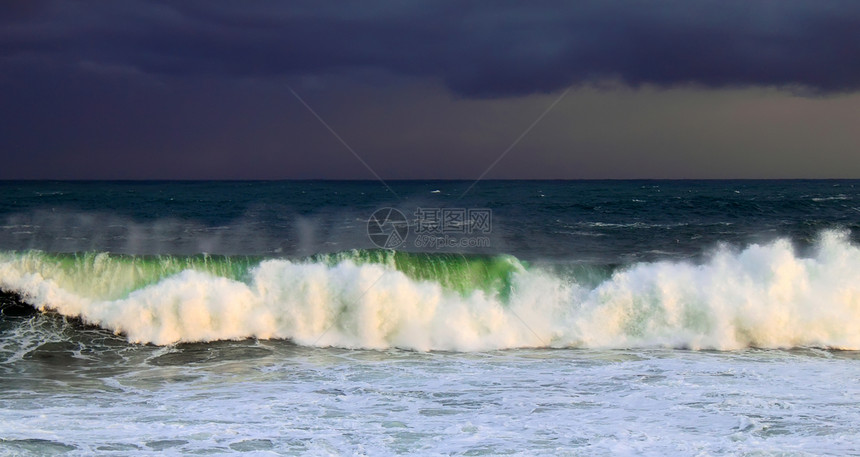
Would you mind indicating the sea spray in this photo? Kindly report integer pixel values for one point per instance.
(765, 295)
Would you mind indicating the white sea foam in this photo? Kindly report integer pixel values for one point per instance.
(304, 401)
(762, 296)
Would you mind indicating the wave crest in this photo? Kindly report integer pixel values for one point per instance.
(762, 296)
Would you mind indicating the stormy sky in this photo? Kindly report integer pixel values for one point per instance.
(216, 89)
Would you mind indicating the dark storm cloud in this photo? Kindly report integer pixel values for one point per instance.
(475, 48)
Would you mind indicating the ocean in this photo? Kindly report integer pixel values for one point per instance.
(430, 317)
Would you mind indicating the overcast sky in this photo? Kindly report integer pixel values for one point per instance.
(208, 89)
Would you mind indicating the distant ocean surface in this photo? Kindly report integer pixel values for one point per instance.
(430, 317)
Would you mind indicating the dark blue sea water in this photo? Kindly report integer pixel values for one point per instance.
(584, 221)
(430, 317)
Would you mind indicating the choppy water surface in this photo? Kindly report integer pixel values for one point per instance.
(89, 392)
(603, 318)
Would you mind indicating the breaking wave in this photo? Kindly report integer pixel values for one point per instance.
(766, 295)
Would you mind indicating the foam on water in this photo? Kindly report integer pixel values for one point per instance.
(762, 296)
(288, 400)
